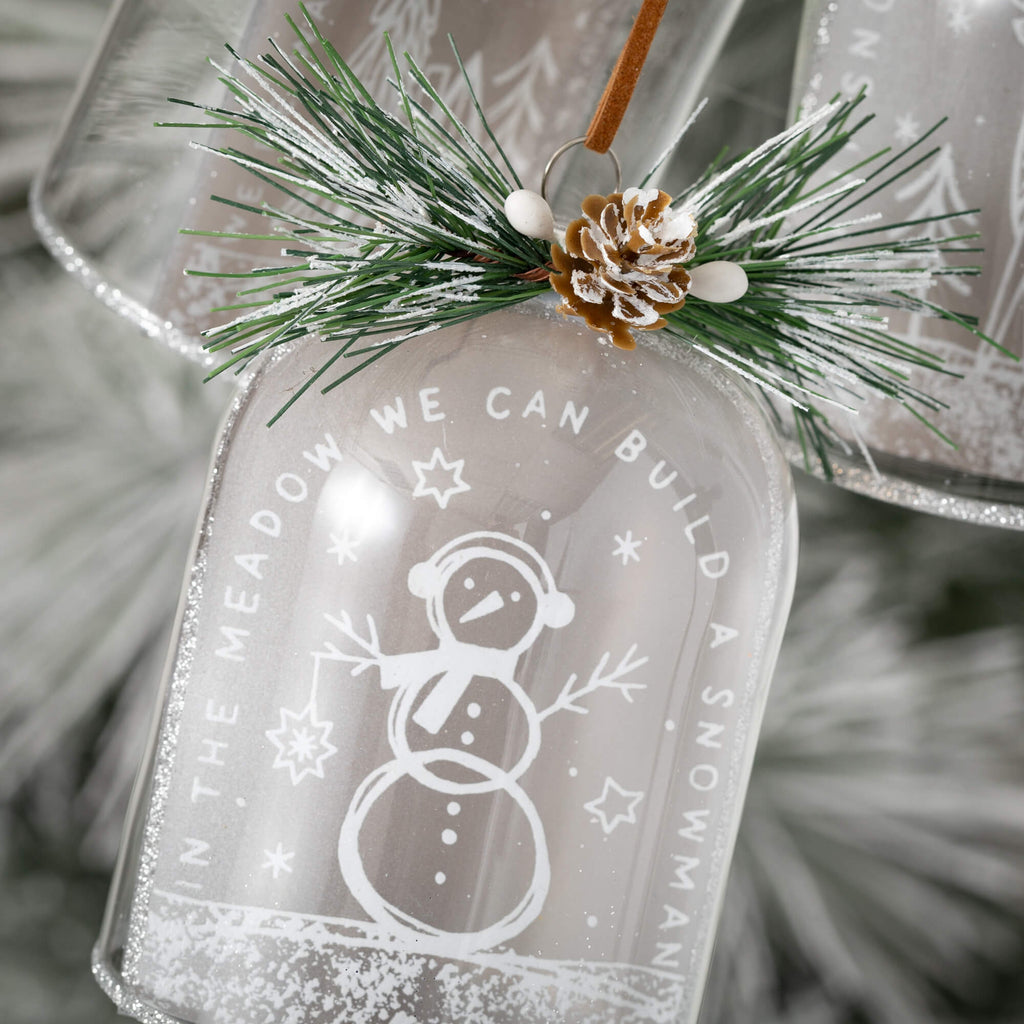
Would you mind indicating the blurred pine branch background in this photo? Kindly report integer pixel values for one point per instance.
(880, 870)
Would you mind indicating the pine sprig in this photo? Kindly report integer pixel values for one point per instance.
(399, 231)
(812, 328)
(391, 230)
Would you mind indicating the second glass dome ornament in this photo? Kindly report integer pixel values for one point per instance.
(905, 50)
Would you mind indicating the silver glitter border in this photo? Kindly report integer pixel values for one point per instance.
(862, 479)
(183, 653)
(163, 332)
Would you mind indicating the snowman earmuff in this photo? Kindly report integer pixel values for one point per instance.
(427, 579)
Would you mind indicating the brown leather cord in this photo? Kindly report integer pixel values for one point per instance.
(617, 93)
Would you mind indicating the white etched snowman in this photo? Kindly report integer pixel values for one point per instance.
(462, 730)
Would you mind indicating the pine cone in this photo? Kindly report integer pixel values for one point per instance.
(621, 267)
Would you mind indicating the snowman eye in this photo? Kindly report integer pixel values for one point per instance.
(515, 595)
(469, 583)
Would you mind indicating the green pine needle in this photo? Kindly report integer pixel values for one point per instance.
(401, 231)
(812, 327)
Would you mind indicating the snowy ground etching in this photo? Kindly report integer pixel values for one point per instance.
(243, 964)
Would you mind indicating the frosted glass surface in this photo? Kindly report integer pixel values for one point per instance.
(469, 677)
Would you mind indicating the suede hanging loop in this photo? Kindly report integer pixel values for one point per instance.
(617, 93)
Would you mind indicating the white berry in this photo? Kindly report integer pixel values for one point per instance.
(530, 214)
(718, 281)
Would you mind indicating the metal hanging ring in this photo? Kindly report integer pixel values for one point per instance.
(562, 150)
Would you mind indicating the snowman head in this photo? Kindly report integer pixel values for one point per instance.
(491, 590)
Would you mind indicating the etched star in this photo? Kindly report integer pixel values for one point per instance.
(344, 546)
(907, 129)
(615, 806)
(278, 860)
(302, 744)
(626, 548)
(439, 478)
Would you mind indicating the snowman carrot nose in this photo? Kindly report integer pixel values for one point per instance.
(493, 602)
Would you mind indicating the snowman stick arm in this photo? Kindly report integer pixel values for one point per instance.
(370, 644)
(568, 697)
(359, 663)
(564, 701)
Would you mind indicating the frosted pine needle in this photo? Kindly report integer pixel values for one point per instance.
(403, 229)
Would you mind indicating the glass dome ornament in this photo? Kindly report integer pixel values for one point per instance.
(972, 467)
(465, 692)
